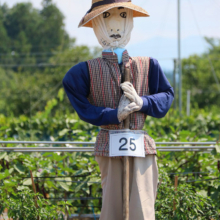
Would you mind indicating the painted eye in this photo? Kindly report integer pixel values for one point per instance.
(106, 14)
(123, 14)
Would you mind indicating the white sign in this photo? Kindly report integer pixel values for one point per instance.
(129, 143)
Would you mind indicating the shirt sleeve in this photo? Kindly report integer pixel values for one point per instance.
(161, 95)
(77, 86)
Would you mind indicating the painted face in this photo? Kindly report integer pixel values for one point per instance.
(115, 22)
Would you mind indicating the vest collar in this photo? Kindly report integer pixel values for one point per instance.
(113, 58)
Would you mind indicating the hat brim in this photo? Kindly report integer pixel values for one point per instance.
(87, 19)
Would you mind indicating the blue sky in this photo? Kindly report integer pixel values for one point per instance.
(155, 36)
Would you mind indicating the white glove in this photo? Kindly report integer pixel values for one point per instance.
(130, 93)
(125, 108)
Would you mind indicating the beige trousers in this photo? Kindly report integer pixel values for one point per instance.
(142, 182)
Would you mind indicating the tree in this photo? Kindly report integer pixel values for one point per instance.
(200, 75)
(28, 35)
(25, 93)
(35, 38)
(52, 28)
(3, 35)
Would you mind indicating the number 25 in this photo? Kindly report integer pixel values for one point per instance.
(126, 141)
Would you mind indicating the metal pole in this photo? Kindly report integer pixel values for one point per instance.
(174, 82)
(179, 60)
(126, 164)
(93, 143)
(30, 120)
(91, 149)
(188, 103)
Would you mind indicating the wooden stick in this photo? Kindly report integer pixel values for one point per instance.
(175, 185)
(34, 188)
(33, 184)
(127, 79)
(126, 189)
(126, 164)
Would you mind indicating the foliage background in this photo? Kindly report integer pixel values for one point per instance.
(35, 54)
(76, 176)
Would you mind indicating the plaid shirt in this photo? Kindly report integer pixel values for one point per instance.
(105, 91)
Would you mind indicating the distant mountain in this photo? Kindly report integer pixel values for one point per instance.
(165, 49)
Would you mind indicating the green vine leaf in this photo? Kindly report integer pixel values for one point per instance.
(19, 167)
(217, 147)
(64, 186)
(27, 182)
(2, 155)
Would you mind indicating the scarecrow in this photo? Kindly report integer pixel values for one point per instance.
(100, 94)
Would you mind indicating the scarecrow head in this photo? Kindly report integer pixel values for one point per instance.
(112, 21)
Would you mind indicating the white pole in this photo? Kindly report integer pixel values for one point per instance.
(188, 102)
(179, 60)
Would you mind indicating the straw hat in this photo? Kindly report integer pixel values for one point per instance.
(100, 6)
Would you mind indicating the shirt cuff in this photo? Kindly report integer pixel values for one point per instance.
(113, 117)
(145, 105)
